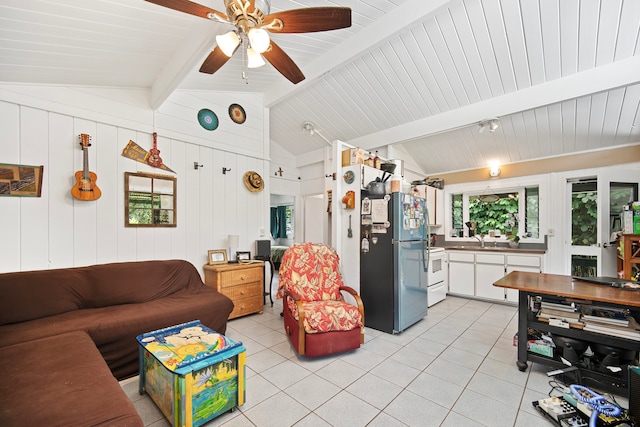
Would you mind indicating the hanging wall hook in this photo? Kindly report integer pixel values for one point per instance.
(196, 166)
(225, 170)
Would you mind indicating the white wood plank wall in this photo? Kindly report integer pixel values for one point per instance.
(57, 231)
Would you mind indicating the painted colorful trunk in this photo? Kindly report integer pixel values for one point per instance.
(192, 373)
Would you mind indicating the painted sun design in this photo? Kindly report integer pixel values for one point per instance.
(190, 350)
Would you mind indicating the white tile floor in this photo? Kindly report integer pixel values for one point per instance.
(456, 367)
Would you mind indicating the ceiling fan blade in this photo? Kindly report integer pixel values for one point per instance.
(309, 20)
(214, 61)
(283, 63)
(189, 7)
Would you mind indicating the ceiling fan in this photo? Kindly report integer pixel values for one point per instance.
(253, 22)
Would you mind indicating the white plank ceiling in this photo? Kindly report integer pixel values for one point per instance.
(562, 76)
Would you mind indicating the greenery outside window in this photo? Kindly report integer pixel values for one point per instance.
(289, 222)
(150, 200)
(515, 211)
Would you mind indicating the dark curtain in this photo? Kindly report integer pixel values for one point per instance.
(274, 222)
(279, 222)
(282, 221)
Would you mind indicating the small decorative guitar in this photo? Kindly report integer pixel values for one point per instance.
(154, 154)
(85, 188)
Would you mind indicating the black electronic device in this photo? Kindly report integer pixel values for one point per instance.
(561, 412)
(569, 411)
(263, 249)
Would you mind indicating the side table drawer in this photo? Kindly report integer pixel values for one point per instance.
(240, 277)
(246, 306)
(243, 291)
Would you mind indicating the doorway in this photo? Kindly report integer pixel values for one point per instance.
(282, 219)
(596, 204)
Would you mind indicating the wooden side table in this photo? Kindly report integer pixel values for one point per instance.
(242, 283)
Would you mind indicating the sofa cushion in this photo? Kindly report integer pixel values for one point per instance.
(31, 295)
(114, 329)
(36, 294)
(61, 381)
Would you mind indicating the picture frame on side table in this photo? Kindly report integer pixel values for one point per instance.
(217, 256)
(243, 256)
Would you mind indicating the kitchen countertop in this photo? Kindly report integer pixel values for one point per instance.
(477, 248)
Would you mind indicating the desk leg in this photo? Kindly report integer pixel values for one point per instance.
(267, 290)
(271, 280)
(523, 306)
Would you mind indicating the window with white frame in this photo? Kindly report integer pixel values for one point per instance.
(503, 213)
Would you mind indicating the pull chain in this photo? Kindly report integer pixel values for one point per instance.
(245, 68)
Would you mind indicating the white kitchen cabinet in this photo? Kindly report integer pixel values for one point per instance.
(435, 203)
(489, 269)
(530, 263)
(473, 273)
(462, 273)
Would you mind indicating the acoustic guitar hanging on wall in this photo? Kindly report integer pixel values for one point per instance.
(85, 187)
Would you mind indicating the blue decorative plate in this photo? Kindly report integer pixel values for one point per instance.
(208, 119)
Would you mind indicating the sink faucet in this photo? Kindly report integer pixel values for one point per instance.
(480, 239)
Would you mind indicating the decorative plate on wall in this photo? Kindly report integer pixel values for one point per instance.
(348, 177)
(237, 114)
(208, 119)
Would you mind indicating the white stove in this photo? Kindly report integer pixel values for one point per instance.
(437, 285)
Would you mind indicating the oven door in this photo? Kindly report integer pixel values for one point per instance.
(437, 268)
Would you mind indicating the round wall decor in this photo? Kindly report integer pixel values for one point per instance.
(253, 181)
(208, 119)
(237, 114)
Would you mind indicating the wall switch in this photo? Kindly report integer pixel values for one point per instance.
(551, 232)
(261, 231)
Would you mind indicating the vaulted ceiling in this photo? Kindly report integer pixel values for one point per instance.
(561, 76)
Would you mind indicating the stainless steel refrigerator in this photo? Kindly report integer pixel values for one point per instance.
(394, 261)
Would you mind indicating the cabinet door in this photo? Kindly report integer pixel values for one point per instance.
(486, 275)
(461, 278)
(431, 204)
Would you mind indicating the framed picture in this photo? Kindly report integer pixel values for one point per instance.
(243, 256)
(217, 256)
(20, 180)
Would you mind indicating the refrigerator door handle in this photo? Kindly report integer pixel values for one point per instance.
(425, 260)
(427, 239)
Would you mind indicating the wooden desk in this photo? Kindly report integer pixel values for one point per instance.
(541, 284)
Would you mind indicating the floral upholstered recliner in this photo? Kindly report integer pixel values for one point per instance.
(317, 319)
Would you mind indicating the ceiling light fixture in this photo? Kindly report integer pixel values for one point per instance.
(492, 124)
(228, 42)
(259, 39)
(310, 128)
(254, 59)
(494, 171)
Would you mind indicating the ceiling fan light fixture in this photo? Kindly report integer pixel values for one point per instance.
(228, 42)
(254, 59)
(259, 39)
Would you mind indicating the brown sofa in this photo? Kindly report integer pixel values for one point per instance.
(110, 304)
